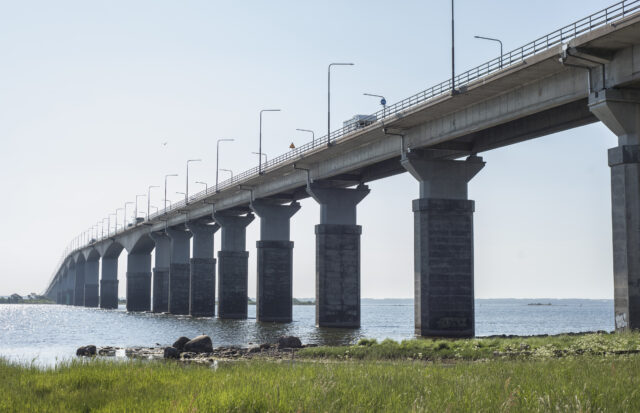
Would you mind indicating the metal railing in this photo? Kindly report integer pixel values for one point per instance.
(463, 80)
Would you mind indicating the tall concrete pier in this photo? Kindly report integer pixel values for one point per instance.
(160, 285)
(78, 297)
(139, 273)
(443, 245)
(109, 252)
(275, 261)
(619, 110)
(233, 265)
(91, 279)
(202, 279)
(338, 256)
(179, 270)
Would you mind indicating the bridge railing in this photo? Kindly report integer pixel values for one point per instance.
(610, 14)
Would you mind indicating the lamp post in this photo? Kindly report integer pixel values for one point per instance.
(493, 40)
(149, 199)
(260, 139)
(186, 191)
(206, 186)
(165, 203)
(329, 98)
(135, 219)
(115, 226)
(263, 154)
(383, 101)
(228, 170)
(453, 54)
(313, 135)
(108, 225)
(124, 218)
(218, 157)
(165, 190)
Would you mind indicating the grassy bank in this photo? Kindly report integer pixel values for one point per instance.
(587, 383)
(482, 348)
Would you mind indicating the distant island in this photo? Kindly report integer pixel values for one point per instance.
(539, 304)
(32, 298)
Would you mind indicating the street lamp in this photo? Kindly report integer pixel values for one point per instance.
(165, 203)
(228, 170)
(383, 101)
(453, 54)
(260, 139)
(165, 190)
(116, 224)
(149, 199)
(206, 186)
(493, 40)
(108, 225)
(329, 98)
(124, 218)
(313, 135)
(186, 193)
(263, 154)
(135, 219)
(218, 157)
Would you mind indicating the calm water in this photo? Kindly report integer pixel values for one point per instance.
(48, 333)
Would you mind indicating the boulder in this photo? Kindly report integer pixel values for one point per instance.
(200, 344)
(171, 353)
(86, 351)
(289, 342)
(179, 344)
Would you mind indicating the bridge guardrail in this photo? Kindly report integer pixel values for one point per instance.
(608, 15)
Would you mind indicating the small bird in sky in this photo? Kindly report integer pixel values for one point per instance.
(165, 143)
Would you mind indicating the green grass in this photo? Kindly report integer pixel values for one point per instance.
(571, 384)
(481, 348)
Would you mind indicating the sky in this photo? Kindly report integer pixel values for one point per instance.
(90, 92)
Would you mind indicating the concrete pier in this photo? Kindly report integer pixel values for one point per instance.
(202, 279)
(179, 270)
(619, 110)
(233, 270)
(109, 278)
(139, 281)
(338, 256)
(91, 280)
(78, 298)
(275, 261)
(70, 279)
(443, 245)
(160, 286)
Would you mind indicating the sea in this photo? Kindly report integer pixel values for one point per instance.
(44, 334)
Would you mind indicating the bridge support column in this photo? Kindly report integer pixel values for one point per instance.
(619, 110)
(202, 279)
(69, 283)
(443, 246)
(78, 299)
(179, 271)
(139, 281)
(161, 272)
(109, 283)
(233, 271)
(338, 256)
(275, 261)
(91, 288)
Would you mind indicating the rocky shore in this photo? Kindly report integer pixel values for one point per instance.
(200, 350)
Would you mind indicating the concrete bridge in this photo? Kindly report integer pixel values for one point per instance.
(586, 72)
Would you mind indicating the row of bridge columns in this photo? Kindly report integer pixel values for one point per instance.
(443, 248)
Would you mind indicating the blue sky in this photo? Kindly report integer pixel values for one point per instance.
(89, 91)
